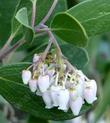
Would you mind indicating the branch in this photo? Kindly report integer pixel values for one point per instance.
(6, 44)
(49, 12)
(47, 50)
(33, 12)
(15, 46)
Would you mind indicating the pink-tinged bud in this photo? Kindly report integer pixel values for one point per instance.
(33, 85)
(36, 58)
(76, 105)
(89, 96)
(63, 99)
(26, 76)
(43, 83)
(47, 99)
(90, 91)
(55, 95)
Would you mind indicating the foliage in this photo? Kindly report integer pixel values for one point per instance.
(74, 28)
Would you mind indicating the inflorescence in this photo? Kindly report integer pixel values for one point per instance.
(60, 85)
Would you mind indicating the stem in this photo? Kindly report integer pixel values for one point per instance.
(15, 46)
(52, 38)
(33, 12)
(59, 52)
(47, 50)
(7, 43)
(49, 12)
(5, 47)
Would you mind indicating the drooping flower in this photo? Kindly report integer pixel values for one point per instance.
(55, 95)
(26, 76)
(63, 99)
(76, 105)
(58, 85)
(47, 99)
(43, 83)
(90, 91)
(33, 85)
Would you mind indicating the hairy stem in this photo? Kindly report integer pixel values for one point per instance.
(33, 12)
(49, 12)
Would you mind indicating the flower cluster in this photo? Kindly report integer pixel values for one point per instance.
(60, 85)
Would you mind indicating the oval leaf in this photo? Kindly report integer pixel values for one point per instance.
(77, 56)
(69, 29)
(22, 17)
(94, 15)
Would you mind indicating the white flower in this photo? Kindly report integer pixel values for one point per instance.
(55, 95)
(33, 85)
(80, 88)
(73, 94)
(43, 83)
(47, 99)
(76, 105)
(26, 76)
(90, 91)
(36, 58)
(63, 99)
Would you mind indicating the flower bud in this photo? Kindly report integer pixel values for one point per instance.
(43, 83)
(33, 85)
(26, 76)
(90, 91)
(36, 58)
(63, 99)
(47, 99)
(76, 105)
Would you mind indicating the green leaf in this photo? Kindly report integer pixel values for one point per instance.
(69, 29)
(33, 119)
(77, 56)
(22, 17)
(24, 99)
(7, 9)
(94, 15)
(13, 72)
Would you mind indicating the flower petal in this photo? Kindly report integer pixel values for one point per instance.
(26, 76)
(43, 83)
(63, 99)
(47, 99)
(76, 105)
(33, 85)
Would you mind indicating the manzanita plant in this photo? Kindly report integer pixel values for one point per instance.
(48, 81)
